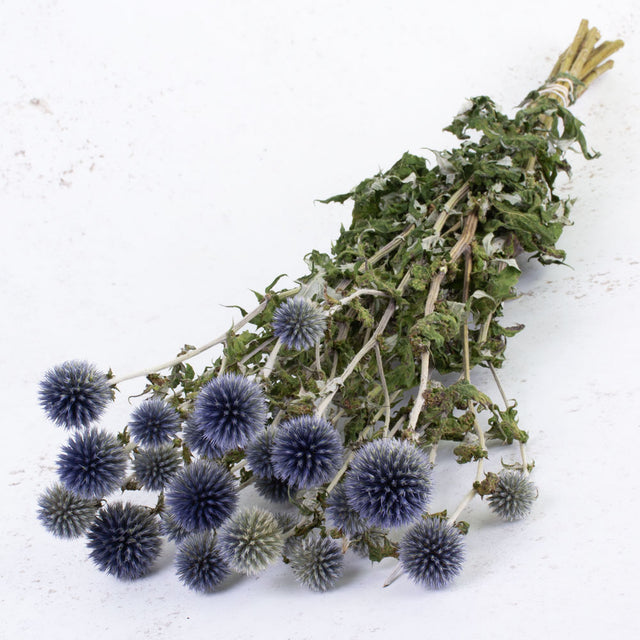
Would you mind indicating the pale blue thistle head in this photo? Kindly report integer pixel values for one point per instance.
(154, 423)
(230, 410)
(198, 443)
(199, 563)
(307, 451)
(298, 323)
(341, 515)
(124, 540)
(92, 464)
(74, 394)
(513, 497)
(155, 467)
(389, 483)
(202, 496)
(65, 514)
(432, 553)
(251, 541)
(316, 562)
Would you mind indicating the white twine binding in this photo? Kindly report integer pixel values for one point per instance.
(564, 92)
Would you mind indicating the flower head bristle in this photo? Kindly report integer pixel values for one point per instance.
(341, 515)
(65, 514)
(124, 540)
(199, 563)
(389, 483)
(306, 451)
(298, 323)
(229, 410)
(432, 553)
(251, 541)
(92, 464)
(258, 453)
(317, 562)
(202, 496)
(197, 442)
(74, 394)
(513, 497)
(154, 423)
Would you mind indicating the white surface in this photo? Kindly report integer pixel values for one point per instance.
(158, 161)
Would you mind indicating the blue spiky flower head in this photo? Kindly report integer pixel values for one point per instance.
(389, 483)
(251, 541)
(229, 410)
(124, 540)
(65, 514)
(258, 453)
(155, 467)
(341, 515)
(316, 562)
(298, 323)
(154, 423)
(170, 527)
(432, 553)
(306, 451)
(74, 394)
(202, 496)
(274, 489)
(513, 497)
(199, 563)
(197, 442)
(92, 464)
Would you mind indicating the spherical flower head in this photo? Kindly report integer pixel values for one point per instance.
(65, 514)
(199, 563)
(317, 562)
(92, 464)
(202, 496)
(169, 527)
(251, 541)
(74, 394)
(124, 540)
(274, 489)
(258, 453)
(389, 483)
(341, 515)
(306, 451)
(154, 423)
(513, 497)
(432, 553)
(197, 442)
(229, 410)
(298, 323)
(155, 467)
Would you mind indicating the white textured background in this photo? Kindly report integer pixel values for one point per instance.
(159, 159)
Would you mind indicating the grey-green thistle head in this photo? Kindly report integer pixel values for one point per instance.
(513, 497)
(251, 541)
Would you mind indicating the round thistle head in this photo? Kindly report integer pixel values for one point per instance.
(229, 410)
(154, 423)
(197, 442)
(169, 527)
(155, 467)
(258, 453)
(202, 496)
(65, 514)
(432, 553)
(389, 483)
(298, 323)
(92, 464)
(316, 562)
(74, 394)
(124, 540)
(513, 497)
(274, 489)
(341, 515)
(199, 563)
(251, 541)
(306, 451)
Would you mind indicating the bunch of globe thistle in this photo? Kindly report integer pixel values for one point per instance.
(322, 398)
